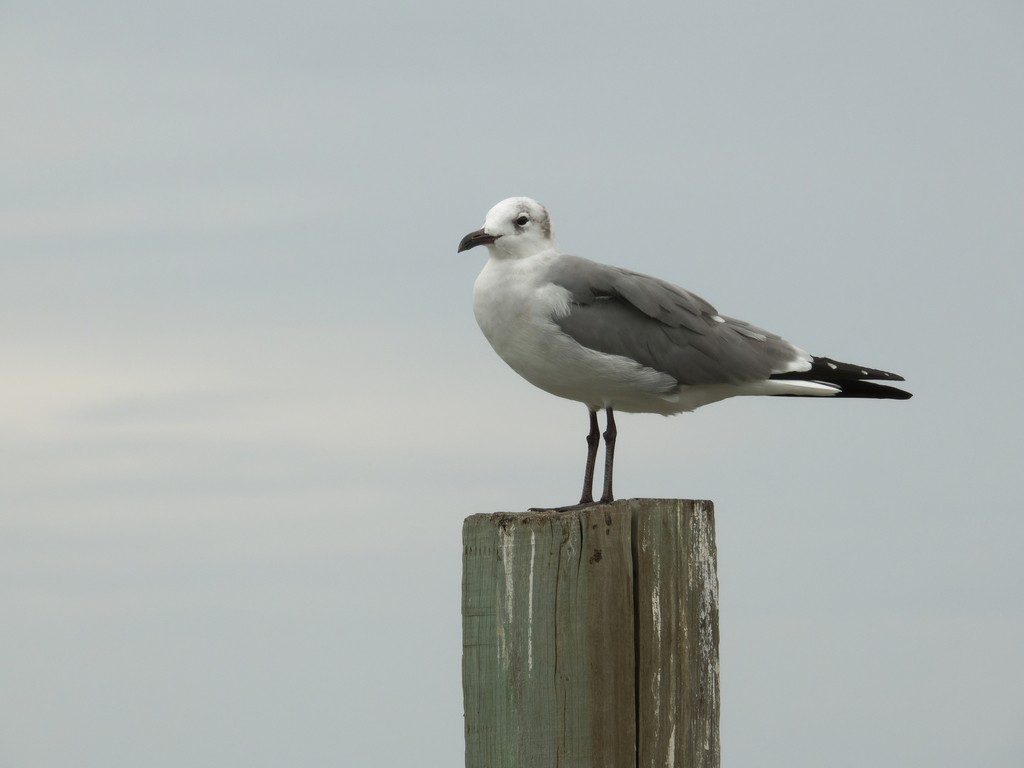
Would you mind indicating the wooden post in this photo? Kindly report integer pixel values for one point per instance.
(590, 637)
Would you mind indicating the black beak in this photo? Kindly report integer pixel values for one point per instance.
(473, 239)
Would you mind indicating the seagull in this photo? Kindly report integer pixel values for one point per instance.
(619, 340)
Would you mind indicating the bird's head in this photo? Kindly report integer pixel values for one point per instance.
(514, 228)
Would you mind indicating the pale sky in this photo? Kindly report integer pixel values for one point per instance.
(246, 406)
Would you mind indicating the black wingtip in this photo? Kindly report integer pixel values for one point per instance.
(827, 369)
(852, 380)
(870, 389)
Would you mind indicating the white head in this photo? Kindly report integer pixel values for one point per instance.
(514, 228)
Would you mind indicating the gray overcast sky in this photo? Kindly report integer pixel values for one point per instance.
(246, 406)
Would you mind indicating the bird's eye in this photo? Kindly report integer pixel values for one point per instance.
(523, 220)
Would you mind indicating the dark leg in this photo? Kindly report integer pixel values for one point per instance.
(593, 439)
(609, 455)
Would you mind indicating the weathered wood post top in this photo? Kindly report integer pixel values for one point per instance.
(590, 637)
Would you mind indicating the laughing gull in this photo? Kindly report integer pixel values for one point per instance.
(622, 341)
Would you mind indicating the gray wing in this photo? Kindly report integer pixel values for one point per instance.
(665, 327)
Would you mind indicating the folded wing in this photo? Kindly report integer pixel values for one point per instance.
(667, 328)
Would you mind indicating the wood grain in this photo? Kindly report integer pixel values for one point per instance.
(590, 636)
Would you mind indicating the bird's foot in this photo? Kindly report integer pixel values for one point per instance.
(570, 507)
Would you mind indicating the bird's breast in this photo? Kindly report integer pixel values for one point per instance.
(515, 309)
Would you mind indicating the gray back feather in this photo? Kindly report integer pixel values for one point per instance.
(664, 327)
